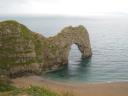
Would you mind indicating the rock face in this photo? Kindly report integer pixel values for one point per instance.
(18, 49)
(22, 50)
(58, 47)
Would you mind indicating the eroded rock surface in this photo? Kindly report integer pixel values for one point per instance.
(22, 50)
(57, 48)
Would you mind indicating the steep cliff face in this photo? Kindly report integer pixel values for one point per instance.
(17, 48)
(22, 50)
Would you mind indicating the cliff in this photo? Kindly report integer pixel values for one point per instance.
(23, 51)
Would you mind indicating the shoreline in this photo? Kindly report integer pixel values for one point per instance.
(83, 89)
(81, 82)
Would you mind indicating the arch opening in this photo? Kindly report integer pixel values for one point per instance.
(74, 54)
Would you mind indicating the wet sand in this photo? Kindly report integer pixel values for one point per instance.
(86, 89)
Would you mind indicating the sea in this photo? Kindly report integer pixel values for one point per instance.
(109, 42)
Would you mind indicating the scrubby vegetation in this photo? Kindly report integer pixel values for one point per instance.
(8, 90)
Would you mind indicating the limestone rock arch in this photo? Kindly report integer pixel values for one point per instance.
(58, 47)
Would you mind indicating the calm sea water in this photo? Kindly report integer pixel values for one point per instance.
(109, 40)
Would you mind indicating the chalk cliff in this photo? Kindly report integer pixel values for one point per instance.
(23, 51)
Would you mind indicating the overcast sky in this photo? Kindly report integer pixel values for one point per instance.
(62, 7)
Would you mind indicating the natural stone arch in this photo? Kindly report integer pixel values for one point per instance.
(61, 45)
(80, 37)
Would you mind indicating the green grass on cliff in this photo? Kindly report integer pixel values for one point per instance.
(6, 89)
(26, 33)
(16, 42)
(31, 91)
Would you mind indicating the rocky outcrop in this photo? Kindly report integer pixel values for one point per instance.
(22, 50)
(57, 48)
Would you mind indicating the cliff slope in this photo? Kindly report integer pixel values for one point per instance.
(23, 51)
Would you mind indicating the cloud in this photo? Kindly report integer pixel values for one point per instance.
(26, 6)
(62, 7)
(10, 6)
(12, 2)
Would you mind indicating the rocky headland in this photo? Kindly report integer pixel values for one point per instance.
(24, 51)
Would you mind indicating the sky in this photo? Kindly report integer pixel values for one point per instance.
(63, 7)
